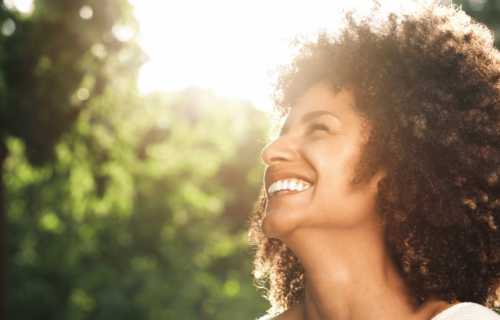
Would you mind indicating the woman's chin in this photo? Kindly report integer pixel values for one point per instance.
(277, 223)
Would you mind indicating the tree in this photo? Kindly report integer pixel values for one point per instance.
(120, 206)
(50, 62)
(164, 237)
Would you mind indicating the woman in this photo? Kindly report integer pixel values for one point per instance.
(382, 191)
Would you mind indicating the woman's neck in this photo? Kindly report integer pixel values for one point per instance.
(350, 274)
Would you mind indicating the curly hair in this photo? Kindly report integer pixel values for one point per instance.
(428, 81)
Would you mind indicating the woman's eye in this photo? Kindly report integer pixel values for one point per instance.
(318, 126)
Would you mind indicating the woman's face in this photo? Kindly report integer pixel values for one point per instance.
(316, 154)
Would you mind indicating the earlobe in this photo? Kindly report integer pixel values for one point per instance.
(382, 172)
(380, 175)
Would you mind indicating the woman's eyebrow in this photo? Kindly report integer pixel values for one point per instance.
(315, 114)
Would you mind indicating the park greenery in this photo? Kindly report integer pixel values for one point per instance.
(119, 205)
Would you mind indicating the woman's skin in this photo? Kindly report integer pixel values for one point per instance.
(334, 226)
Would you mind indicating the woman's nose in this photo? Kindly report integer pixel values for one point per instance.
(280, 150)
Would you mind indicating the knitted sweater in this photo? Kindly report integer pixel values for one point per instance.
(461, 311)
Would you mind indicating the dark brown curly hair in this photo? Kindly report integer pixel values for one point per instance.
(429, 81)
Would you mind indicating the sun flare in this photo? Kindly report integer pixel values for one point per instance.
(228, 46)
(224, 45)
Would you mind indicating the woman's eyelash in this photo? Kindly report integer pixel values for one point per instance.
(318, 126)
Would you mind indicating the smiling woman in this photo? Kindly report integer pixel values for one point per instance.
(381, 193)
(318, 147)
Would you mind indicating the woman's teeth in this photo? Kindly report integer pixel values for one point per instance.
(282, 186)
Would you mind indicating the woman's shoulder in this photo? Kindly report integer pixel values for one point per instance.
(294, 313)
(282, 316)
(467, 311)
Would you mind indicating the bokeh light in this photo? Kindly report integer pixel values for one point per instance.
(122, 33)
(8, 27)
(25, 7)
(86, 12)
(83, 93)
(99, 51)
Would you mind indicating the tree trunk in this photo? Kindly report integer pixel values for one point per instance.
(4, 247)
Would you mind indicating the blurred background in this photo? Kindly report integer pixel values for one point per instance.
(130, 137)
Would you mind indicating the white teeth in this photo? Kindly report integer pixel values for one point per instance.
(300, 187)
(278, 185)
(284, 186)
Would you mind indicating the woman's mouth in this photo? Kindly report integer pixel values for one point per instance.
(287, 185)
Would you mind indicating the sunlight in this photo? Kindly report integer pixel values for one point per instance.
(25, 7)
(224, 45)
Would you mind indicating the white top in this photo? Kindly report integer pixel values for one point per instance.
(467, 311)
(461, 311)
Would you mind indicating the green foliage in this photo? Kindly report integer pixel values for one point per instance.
(53, 60)
(141, 214)
(120, 206)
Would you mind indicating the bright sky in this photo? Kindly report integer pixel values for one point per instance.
(227, 45)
